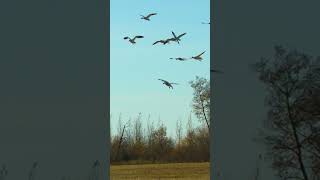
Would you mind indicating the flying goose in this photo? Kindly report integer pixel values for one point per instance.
(147, 18)
(167, 83)
(132, 41)
(180, 59)
(198, 57)
(177, 38)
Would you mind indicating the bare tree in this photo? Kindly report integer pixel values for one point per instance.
(118, 140)
(137, 132)
(201, 99)
(190, 141)
(161, 144)
(178, 132)
(288, 79)
(149, 140)
(138, 144)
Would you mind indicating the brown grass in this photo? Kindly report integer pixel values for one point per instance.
(187, 171)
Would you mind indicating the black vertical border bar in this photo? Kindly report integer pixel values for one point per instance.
(212, 21)
(107, 38)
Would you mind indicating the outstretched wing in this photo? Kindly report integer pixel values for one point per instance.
(126, 37)
(152, 14)
(137, 37)
(174, 83)
(174, 35)
(160, 41)
(162, 80)
(201, 54)
(181, 35)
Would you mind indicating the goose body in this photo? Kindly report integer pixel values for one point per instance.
(180, 59)
(167, 83)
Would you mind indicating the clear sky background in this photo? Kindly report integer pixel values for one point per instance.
(135, 68)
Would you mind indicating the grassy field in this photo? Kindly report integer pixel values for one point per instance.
(188, 171)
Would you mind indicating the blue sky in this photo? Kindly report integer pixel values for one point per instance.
(135, 68)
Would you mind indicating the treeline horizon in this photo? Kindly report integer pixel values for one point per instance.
(133, 144)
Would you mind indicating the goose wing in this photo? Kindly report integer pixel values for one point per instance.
(181, 35)
(151, 14)
(126, 37)
(174, 83)
(201, 54)
(137, 37)
(174, 35)
(160, 41)
(162, 80)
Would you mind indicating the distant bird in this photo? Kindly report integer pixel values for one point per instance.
(198, 57)
(177, 38)
(132, 41)
(168, 83)
(164, 42)
(180, 59)
(147, 18)
(215, 71)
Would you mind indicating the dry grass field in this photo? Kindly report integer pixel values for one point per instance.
(187, 171)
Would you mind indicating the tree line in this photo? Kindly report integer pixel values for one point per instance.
(133, 144)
